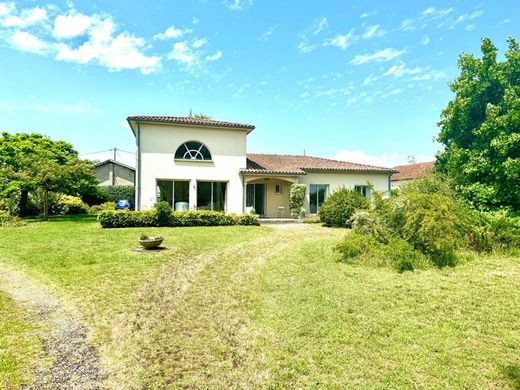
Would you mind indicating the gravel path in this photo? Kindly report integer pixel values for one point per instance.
(74, 361)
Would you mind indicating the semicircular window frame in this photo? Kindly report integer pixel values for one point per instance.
(193, 151)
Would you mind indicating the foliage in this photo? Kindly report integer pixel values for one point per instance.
(296, 198)
(117, 193)
(159, 217)
(163, 213)
(489, 231)
(9, 220)
(431, 183)
(69, 204)
(45, 202)
(95, 196)
(339, 207)
(105, 206)
(30, 162)
(480, 129)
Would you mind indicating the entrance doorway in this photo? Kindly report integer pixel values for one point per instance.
(255, 197)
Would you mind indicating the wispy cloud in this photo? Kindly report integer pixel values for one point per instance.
(316, 27)
(401, 70)
(378, 56)
(466, 18)
(198, 43)
(342, 41)
(171, 33)
(237, 5)
(319, 25)
(215, 56)
(425, 39)
(429, 15)
(373, 31)
(266, 35)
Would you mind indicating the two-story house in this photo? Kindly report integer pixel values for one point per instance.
(196, 163)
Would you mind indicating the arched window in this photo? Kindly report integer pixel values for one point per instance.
(192, 150)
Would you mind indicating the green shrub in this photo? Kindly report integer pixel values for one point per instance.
(296, 198)
(101, 207)
(9, 220)
(117, 193)
(95, 196)
(339, 207)
(433, 226)
(488, 231)
(148, 218)
(72, 205)
(355, 245)
(163, 213)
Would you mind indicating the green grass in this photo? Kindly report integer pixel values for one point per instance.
(19, 345)
(249, 307)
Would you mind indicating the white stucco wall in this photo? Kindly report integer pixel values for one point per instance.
(158, 143)
(349, 180)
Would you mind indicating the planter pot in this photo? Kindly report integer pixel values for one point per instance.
(152, 243)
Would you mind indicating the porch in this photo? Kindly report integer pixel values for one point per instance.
(268, 196)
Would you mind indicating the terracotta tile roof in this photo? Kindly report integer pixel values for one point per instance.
(300, 165)
(190, 120)
(412, 171)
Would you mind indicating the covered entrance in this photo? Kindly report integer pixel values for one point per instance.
(269, 196)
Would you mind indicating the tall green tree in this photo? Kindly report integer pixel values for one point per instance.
(32, 162)
(480, 128)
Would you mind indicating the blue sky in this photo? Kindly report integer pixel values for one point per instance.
(362, 81)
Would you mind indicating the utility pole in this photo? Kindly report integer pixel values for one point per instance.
(114, 167)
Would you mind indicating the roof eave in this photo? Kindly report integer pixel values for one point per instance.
(248, 129)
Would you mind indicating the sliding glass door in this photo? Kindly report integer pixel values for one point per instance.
(175, 192)
(255, 197)
(211, 195)
(317, 194)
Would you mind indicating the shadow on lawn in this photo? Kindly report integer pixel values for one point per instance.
(64, 218)
(512, 372)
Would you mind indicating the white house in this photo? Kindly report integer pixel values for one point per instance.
(195, 163)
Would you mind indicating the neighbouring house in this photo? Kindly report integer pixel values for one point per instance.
(406, 173)
(114, 173)
(196, 163)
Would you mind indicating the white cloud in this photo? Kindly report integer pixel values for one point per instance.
(351, 101)
(425, 39)
(434, 13)
(378, 56)
(183, 54)
(466, 17)
(236, 5)
(305, 47)
(6, 8)
(469, 27)
(214, 57)
(171, 33)
(319, 25)
(360, 157)
(198, 43)
(369, 80)
(27, 17)
(373, 31)
(70, 26)
(342, 41)
(364, 15)
(195, 20)
(401, 70)
(407, 25)
(123, 51)
(264, 37)
(24, 41)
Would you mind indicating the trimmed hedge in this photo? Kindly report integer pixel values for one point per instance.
(152, 218)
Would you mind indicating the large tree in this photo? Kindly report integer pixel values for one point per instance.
(32, 162)
(480, 128)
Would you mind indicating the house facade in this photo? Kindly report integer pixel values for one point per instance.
(194, 163)
(114, 173)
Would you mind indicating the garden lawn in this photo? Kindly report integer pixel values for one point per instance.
(250, 307)
(20, 346)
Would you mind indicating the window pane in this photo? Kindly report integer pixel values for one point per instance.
(181, 192)
(250, 195)
(322, 191)
(192, 151)
(219, 196)
(313, 199)
(204, 195)
(165, 191)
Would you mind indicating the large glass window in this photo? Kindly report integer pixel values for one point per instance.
(211, 195)
(317, 194)
(192, 150)
(363, 190)
(174, 192)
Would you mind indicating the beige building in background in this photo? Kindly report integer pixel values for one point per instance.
(114, 173)
(197, 163)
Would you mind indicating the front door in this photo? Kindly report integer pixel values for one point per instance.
(260, 199)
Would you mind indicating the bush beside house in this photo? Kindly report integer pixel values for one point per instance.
(162, 215)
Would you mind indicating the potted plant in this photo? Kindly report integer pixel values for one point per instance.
(150, 242)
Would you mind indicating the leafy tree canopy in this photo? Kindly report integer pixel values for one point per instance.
(30, 162)
(480, 129)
